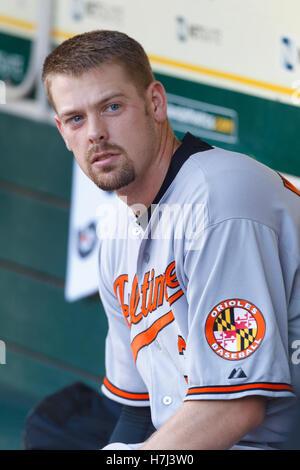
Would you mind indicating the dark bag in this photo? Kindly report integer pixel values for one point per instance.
(74, 418)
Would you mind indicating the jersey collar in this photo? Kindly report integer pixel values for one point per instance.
(189, 145)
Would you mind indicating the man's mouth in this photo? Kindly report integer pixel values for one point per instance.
(104, 158)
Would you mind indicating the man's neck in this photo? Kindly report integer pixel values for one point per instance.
(140, 196)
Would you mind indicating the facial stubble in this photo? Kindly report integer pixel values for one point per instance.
(116, 176)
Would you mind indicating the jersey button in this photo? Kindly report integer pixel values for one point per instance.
(167, 400)
(136, 231)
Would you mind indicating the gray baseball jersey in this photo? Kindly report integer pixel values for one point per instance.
(200, 298)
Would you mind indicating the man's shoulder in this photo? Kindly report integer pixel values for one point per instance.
(221, 166)
(232, 185)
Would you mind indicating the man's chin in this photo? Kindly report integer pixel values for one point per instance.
(112, 184)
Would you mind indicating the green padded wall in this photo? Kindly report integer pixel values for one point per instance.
(49, 342)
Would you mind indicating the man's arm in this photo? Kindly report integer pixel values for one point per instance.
(134, 425)
(209, 424)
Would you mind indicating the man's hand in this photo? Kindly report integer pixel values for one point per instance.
(209, 424)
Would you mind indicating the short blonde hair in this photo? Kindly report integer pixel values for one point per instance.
(89, 50)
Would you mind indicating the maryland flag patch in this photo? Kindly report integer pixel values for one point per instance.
(234, 329)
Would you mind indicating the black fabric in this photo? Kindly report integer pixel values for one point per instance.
(190, 145)
(74, 418)
(134, 425)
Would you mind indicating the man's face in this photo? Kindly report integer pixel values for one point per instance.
(107, 124)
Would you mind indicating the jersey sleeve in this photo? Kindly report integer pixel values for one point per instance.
(122, 382)
(238, 339)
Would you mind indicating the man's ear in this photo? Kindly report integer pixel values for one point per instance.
(60, 128)
(157, 99)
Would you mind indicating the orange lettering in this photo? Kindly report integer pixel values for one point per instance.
(144, 290)
(134, 301)
(119, 284)
(181, 345)
(151, 306)
(171, 279)
(153, 293)
(172, 282)
(175, 296)
(158, 292)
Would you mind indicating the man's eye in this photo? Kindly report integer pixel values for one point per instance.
(76, 119)
(113, 107)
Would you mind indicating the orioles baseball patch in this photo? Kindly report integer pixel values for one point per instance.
(235, 329)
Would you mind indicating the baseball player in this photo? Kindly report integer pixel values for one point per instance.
(200, 280)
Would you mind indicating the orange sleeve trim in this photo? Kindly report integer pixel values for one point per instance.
(146, 337)
(124, 394)
(289, 185)
(268, 386)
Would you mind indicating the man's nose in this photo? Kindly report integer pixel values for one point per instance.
(97, 129)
